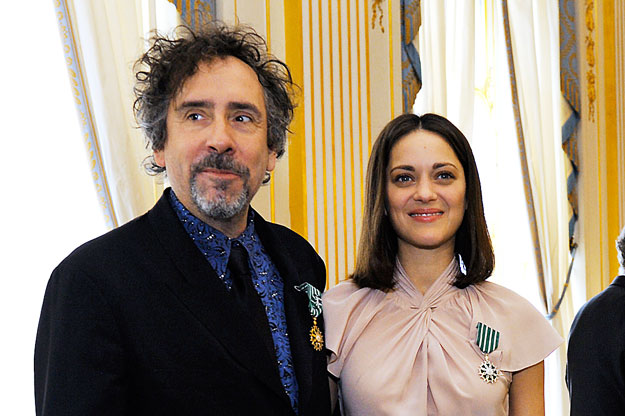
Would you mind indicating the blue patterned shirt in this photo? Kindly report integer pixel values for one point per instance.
(215, 246)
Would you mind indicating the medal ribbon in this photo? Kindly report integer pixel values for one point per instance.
(487, 338)
(315, 309)
(314, 298)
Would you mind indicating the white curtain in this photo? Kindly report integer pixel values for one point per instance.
(535, 35)
(447, 60)
(110, 37)
(481, 106)
(466, 78)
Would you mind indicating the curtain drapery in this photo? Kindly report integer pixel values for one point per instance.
(533, 36)
(410, 62)
(464, 79)
(196, 12)
(448, 44)
(83, 107)
(569, 84)
(109, 37)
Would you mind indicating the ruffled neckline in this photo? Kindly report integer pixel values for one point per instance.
(433, 296)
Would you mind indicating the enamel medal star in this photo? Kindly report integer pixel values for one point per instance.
(487, 340)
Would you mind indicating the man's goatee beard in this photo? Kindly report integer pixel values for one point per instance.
(219, 207)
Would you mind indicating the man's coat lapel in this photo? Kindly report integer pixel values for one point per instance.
(207, 298)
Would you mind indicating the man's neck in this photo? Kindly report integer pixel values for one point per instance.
(231, 227)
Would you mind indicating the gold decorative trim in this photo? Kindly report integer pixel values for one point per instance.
(376, 7)
(344, 173)
(591, 78)
(294, 53)
(313, 146)
(390, 57)
(335, 233)
(272, 183)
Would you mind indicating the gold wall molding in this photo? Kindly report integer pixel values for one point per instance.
(591, 78)
(377, 14)
(620, 92)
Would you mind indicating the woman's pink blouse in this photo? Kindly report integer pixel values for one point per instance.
(407, 353)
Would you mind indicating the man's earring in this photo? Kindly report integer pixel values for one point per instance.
(267, 177)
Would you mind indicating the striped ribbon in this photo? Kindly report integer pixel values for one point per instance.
(487, 338)
(314, 298)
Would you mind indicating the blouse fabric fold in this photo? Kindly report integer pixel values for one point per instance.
(408, 353)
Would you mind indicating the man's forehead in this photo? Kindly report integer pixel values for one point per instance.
(248, 77)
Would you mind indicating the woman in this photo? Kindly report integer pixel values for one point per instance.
(417, 330)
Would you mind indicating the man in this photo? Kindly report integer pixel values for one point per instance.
(596, 355)
(199, 306)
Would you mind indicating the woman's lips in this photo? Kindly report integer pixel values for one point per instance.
(426, 215)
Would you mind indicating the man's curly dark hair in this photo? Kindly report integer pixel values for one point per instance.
(162, 71)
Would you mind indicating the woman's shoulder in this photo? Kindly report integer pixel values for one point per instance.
(506, 305)
(523, 328)
(347, 310)
(347, 296)
(497, 292)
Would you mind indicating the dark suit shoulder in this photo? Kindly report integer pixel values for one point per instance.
(296, 248)
(112, 249)
(595, 355)
(295, 241)
(609, 301)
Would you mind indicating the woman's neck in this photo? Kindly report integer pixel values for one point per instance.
(424, 266)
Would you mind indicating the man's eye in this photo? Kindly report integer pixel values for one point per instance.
(243, 118)
(195, 117)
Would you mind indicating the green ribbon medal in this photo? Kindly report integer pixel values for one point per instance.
(487, 340)
(315, 309)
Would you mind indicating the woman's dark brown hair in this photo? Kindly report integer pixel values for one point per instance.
(377, 249)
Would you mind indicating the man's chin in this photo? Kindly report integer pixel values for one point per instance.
(220, 206)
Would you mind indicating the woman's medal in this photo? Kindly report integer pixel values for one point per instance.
(487, 340)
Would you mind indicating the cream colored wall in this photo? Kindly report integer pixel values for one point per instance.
(348, 66)
(601, 142)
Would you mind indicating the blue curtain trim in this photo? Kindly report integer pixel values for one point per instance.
(569, 139)
(569, 84)
(411, 63)
(569, 67)
(197, 13)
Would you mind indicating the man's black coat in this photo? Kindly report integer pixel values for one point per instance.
(136, 322)
(596, 355)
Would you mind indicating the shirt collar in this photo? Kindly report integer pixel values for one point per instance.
(212, 243)
(197, 228)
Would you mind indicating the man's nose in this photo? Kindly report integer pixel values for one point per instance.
(219, 138)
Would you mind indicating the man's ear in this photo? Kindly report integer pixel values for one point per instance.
(271, 161)
(159, 157)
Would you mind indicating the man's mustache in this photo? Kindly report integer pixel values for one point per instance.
(220, 161)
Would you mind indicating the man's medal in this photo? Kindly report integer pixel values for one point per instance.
(314, 307)
(487, 340)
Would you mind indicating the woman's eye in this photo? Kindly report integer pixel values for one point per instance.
(402, 178)
(445, 175)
